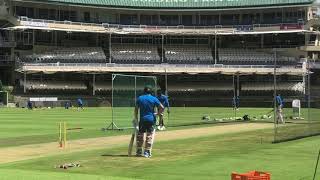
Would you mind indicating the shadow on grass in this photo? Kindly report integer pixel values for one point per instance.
(117, 155)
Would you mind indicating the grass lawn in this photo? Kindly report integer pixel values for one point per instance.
(212, 157)
(22, 126)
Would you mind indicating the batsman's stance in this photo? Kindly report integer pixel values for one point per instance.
(165, 102)
(146, 103)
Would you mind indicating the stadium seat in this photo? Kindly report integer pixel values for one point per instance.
(69, 55)
(135, 54)
(251, 57)
(188, 54)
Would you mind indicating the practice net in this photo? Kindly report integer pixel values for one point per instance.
(300, 111)
(125, 90)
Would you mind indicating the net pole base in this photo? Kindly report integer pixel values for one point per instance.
(112, 126)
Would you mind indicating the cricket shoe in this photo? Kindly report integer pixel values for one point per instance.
(139, 153)
(147, 154)
(163, 128)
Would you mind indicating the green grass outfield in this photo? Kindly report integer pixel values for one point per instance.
(212, 157)
(22, 126)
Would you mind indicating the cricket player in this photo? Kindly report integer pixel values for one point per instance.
(146, 103)
(165, 102)
(280, 104)
(236, 102)
(80, 103)
(29, 105)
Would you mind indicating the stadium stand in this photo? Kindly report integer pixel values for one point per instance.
(135, 54)
(268, 86)
(103, 86)
(54, 85)
(69, 55)
(178, 37)
(250, 56)
(200, 86)
(188, 54)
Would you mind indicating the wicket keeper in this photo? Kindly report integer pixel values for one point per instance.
(146, 105)
(165, 102)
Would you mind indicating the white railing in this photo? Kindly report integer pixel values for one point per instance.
(222, 66)
(44, 22)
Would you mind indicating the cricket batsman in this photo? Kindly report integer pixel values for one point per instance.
(165, 102)
(146, 105)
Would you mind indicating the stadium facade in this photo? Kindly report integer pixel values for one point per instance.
(207, 47)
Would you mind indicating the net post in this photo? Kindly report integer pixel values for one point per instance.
(112, 125)
(275, 94)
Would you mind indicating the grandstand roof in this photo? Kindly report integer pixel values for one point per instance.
(180, 4)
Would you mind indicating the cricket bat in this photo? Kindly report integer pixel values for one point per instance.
(132, 138)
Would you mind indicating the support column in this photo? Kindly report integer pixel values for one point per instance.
(162, 48)
(238, 85)
(304, 84)
(138, 18)
(166, 81)
(261, 17)
(118, 18)
(94, 85)
(159, 19)
(24, 82)
(110, 50)
(215, 48)
(306, 39)
(282, 15)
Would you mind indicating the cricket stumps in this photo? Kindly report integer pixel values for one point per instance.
(62, 134)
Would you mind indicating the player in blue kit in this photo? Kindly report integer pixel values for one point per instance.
(280, 104)
(145, 106)
(80, 103)
(165, 102)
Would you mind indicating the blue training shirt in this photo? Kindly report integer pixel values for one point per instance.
(147, 104)
(163, 100)
(279, 101)
(79, 101)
